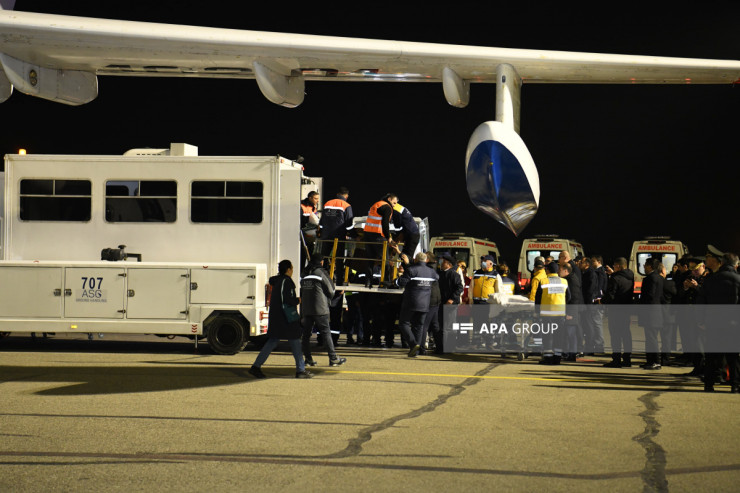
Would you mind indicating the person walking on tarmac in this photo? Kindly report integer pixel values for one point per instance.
(335, 223)
(317, 290)
(417, 280)
(283, 322)
(551, 299)
(377, 230)
(403, 220)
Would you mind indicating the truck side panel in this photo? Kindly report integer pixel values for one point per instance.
(186, 239)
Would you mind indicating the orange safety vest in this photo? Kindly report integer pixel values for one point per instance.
(307, 209)
(374, 223)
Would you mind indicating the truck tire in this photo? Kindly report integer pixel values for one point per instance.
(226, 334)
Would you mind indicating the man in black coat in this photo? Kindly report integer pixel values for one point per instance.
(417, 280)
(431, 319)
(573, 334)
(450, 290)
(618, 296)
(283, 322)
(591, 316)
(721, 323)
(317, 290)
(651, 313)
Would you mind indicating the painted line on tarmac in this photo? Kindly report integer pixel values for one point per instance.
(452, 375)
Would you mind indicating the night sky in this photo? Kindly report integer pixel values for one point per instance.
(616, 163)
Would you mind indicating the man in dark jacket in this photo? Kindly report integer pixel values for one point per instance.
(618, 296)
(450, 290)
(282, 322)
(336, 222)
(722, 323)
(591, 316)
(317, 290)
(651, 313)
(431, 319)
(404, 221)
(417, 280)
(573, 333)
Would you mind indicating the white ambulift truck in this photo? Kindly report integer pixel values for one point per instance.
(210, 232)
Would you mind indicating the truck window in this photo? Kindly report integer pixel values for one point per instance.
(667, 259)
(226, 202)
(141, 201)
(55, 200)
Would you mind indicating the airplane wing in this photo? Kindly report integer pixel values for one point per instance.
(74, 50)
(60, 57)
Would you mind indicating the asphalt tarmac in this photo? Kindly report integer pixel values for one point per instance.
(139, 413)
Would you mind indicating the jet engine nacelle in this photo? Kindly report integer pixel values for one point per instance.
(501, 176)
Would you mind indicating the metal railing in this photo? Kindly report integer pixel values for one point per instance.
(384, 259)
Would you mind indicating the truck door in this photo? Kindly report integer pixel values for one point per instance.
(31, 291)
(223, 286)
(94, 292)
(157, 293)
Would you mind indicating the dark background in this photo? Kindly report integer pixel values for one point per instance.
(616, 163)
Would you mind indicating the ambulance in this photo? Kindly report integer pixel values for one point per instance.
(667, 251)
(465, 248)
(543, 246)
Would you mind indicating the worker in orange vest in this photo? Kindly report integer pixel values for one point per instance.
(377, 230)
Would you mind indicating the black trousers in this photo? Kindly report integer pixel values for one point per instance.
(431, 324)
(322, 325)
(411, 324)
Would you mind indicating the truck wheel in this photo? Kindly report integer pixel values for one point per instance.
(226, 335)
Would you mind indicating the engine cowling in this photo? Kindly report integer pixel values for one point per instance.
(501, 176)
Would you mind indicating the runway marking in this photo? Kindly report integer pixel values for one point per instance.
(452, 375)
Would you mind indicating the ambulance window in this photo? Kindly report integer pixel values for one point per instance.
(667, 259)
(55, 200)
(531, 255)
(226, 202)
(459, 254)
(141, 201)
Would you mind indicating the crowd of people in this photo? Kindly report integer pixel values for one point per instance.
(577, 294)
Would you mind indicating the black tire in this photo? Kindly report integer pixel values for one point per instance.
(226, 334)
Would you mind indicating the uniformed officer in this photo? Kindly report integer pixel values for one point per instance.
(377, 230)
(317, 290)
(335, 223)
(486, 280)
(538, 276)
(403, 220)
(551, 298)
(417, 280)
